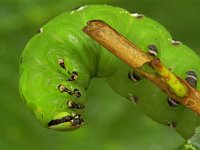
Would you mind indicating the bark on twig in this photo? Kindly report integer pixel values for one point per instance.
(171, 84)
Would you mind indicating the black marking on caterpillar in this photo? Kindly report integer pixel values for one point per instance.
(77, 120)
(61, 120)
(172, 103)
(73, 77)
(62, 63)
(172, 124)
(134, 99)
(64, 89)
(191, 78)
(152, 50)
(77, 92)
(72, 104)
(134, 76)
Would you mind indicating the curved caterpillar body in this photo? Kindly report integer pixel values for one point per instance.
(60, 60)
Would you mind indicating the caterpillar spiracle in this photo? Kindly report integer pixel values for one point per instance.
(58, 63)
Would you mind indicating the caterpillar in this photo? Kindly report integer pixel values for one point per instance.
(58, 63)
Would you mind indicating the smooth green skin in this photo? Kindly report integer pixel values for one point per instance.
(62, 37)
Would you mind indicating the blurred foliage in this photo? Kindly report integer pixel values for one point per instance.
(112, 122)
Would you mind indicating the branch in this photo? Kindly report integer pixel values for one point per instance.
(172, 85)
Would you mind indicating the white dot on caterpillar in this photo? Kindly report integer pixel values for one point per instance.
(175, 42)
(40, 30)
(81, 8)
(137, 15)
(134, 99)
(78, 9)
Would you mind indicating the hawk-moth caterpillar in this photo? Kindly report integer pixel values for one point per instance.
(60, 60)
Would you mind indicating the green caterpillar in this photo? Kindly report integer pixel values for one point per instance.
(60, 60)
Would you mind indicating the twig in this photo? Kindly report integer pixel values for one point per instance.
(174, 86)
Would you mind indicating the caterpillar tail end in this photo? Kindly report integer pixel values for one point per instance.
(65, 121)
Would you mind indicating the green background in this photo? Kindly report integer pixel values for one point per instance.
(112, 122)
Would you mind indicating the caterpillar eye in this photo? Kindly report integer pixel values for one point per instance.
(62, 88)
(175, 42)
(62, 63)
(152, 50)
(73, 77)
(191, 78)
(172, 103)
(134, 76)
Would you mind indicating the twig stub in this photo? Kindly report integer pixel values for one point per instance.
(117, 44)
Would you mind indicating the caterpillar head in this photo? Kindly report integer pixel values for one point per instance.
(59, 117)
(65, 121)
(66, 117)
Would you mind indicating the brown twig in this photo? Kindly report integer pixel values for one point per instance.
(172, 85)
